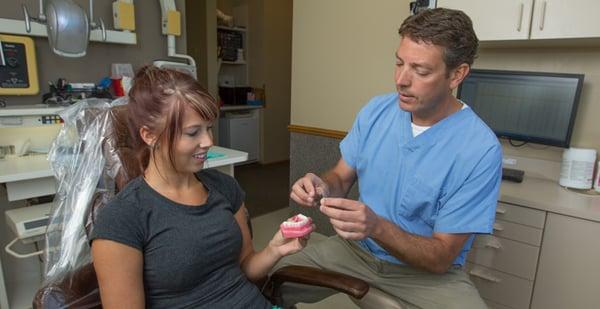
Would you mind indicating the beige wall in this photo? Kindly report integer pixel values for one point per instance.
(202, 29)
(343, 54)
(152, 45)
(276, 63)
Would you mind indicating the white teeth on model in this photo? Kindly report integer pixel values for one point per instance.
(302, 217)
(302, 220)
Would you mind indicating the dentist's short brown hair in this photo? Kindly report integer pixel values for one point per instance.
(450, 29)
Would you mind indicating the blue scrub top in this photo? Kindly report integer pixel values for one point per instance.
(445, 180)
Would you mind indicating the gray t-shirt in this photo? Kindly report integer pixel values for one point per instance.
(191, 253)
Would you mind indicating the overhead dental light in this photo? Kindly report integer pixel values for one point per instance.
(68, 28)
(67, 25)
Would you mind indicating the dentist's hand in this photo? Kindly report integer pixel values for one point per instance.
(308, 190)
(350, 219)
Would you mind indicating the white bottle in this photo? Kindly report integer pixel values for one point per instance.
(577, 169)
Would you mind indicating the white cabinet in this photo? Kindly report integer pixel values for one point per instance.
(569, 267)
(530, 19)
(537, 259)
(554, 19)
(496, 20)
(503, 265)
(240, 131)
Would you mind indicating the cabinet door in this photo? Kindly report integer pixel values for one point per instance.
(244, 135)
(559, 19)
(569, 269)
(495, 20)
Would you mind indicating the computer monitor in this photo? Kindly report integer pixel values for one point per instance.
(532, 107)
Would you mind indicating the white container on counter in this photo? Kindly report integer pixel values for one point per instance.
(577, 168)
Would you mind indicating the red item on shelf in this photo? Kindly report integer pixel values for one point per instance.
(118, 87)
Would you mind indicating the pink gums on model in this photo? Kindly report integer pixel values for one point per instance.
(296, 226)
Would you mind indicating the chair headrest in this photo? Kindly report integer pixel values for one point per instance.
(121, 161)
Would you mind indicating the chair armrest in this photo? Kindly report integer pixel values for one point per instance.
(352, 286)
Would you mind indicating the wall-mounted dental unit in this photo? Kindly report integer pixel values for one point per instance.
(69, 28)
(18, 67)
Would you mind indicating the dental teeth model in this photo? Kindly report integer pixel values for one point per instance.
(296, 226)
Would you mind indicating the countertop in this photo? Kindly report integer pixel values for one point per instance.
(38, 166)
(229, 108)
(548, 195)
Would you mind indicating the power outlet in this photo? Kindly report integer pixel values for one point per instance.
(509, 161)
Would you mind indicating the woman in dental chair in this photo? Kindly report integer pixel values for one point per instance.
(178, 235)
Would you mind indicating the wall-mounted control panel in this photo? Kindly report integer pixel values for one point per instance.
(18, 66)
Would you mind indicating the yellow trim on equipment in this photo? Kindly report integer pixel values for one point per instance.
(34, 86)
(174, 23)
(124, 15)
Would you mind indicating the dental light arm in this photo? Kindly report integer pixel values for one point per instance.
(171, 27)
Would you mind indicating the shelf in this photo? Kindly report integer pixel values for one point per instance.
(234, 62)
(232, 28)
(30, 110)
(228, 108)
(14, 26)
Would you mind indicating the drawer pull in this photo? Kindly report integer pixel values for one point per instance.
(493, 243)
(483, 275)
(500, 210)
(520, 22)
(498, 227)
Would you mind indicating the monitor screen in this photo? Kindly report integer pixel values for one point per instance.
(525, 106)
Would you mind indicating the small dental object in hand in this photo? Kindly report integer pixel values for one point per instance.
(319, 196)
(296, 226)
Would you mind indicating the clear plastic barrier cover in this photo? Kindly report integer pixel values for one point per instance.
(78, 161)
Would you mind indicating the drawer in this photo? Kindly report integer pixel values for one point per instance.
(518, 232)
(24, 189)
(505, 255)
(501, 288)
(521, 215)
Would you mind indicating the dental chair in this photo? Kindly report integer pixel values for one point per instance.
(92, 160)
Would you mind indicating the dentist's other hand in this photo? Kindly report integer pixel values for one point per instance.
(308, 190)
(350, 219)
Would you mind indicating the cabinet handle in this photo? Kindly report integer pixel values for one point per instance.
(483, 275)
(493, 243)
(500, 210)
(498, 227)
(543, 15)
(520, 17)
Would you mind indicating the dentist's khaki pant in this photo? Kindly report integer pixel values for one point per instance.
(412, 288)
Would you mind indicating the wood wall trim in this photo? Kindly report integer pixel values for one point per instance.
(317, 131)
